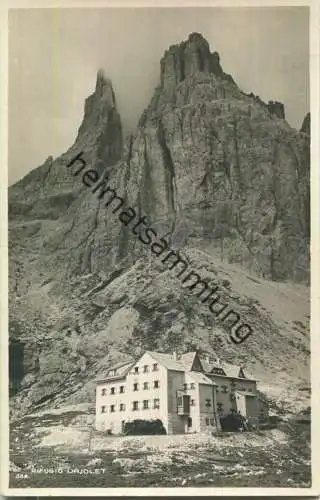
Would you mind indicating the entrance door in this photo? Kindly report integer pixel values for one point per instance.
(189, 424)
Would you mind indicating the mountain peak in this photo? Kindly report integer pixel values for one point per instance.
(189, 169)
(185, 59)
(100, 109)
(306, 124)
(104, 87)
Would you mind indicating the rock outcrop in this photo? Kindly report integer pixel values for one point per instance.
(305, 128)
(276, 108)
(216, 172)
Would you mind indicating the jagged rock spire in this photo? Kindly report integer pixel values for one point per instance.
(104, 88)
(99, 104)
(187, 58)
(306, 124)
(101, 119)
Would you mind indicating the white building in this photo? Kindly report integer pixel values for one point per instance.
(188, 393)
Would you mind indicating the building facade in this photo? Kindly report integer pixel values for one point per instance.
(188, 393)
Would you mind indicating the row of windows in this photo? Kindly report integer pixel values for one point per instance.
(112, 390)
(135, 406)
(122, 407)
(188, 386)
(193, 402)
(146, 368)
(146, 385)
(225, 389)
(156, 385)
(222, 388)
(209, 421)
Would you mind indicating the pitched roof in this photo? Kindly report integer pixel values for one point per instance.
(217, 369)
(201, 378)
(122, 370)
(168, 361)
(231, 370)
(187, 360)
(121, 364)
(183, 363)
(206, 366)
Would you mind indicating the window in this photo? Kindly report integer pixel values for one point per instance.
(192, 402)
(136, 369)
(145, 404)
(207, 421)
(220, 406)
(103, 409)
(217, 388)
(218, 371)
(112, 390)
(112, 409)
(189, 422)
(135, 405)
(103, 392)
(185, 387)
(179, 401)
(224, 388)
(211, 421)
(208, 403)
(156, 404)
(192, 386)
(155, 367)
(135, 387)
(121, 388)
(122, 407)
(156, 384)
(145, 369)
(145, 385)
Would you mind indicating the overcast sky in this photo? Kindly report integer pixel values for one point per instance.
(54, 55)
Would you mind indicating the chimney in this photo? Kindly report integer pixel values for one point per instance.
(174, 355)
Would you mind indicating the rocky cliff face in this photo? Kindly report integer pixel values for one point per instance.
(305, 128)
(217, 172)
